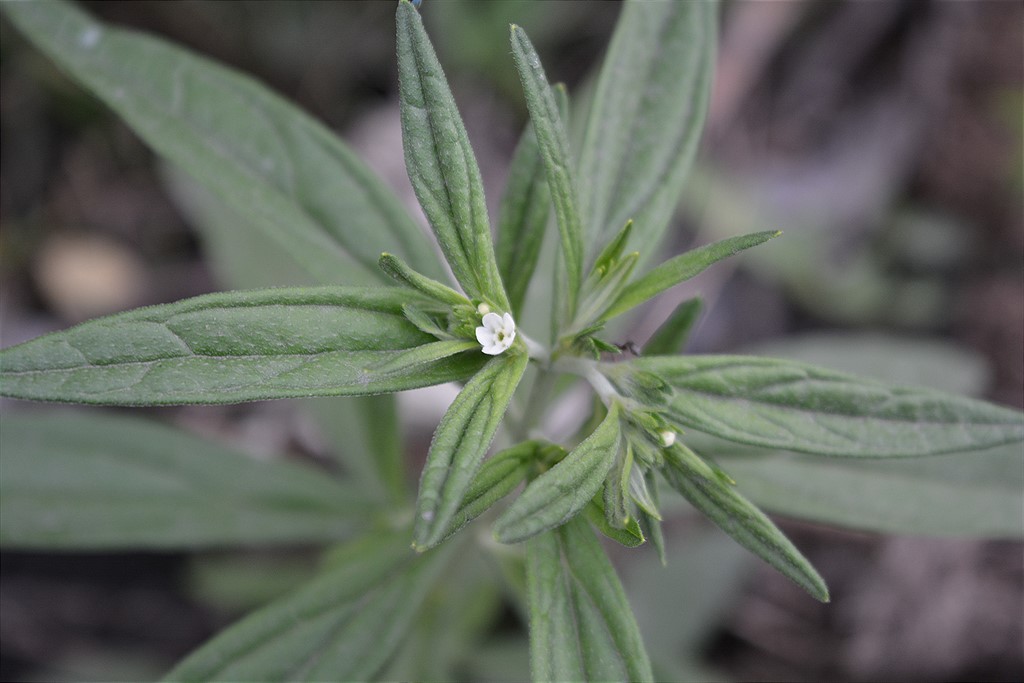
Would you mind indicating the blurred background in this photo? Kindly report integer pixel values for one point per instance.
(884, 138)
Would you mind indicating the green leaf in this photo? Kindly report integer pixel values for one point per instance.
(709, 493)
(976, 493)
(554, 150)
(616, 488)
(557, 495)
(460, 443)
(651, 523)
(398, 270)
(646, 119)
(630, 535)
(681, 268)
(342, 625)
(441, 164)
(285, 173)
(362, 431)
(792, 406)
(670, 338)
(365, 437)
(581, 625)
(238, 346)
(497, 477)
(522, 218)
(98, 481)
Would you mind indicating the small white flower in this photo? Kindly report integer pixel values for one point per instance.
(497, 333)
(483, 309)
(667, 438)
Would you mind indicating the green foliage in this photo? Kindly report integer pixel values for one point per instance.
(581, 627)
(268, 182)
(239, 346)
(68, 482)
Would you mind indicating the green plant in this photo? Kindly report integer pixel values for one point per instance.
(102, 482)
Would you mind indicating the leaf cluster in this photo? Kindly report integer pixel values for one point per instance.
(273, 176)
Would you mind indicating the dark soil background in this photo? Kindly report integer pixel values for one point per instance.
(901, 121)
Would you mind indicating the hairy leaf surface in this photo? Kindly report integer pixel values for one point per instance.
(441, 164)
(793, 406)
(553, 144)
(681, 268)
(560, 493)
(581, 625)
(460, 443)
(711, 494)
(238, 346)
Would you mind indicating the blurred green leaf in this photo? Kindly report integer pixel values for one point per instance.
(975, 493)
(646, 119)
(460, 443)
(581, 625)
(238, 346)
(670, 338)
(462, 608)
(708, 492)
(441, 164)
(342, 625)
(679, 617)
(285, 173)
(94, 480)
(909, 361)
(557, 495)
(364, 436)
(681, 268)
(554, 151)
(792, 406)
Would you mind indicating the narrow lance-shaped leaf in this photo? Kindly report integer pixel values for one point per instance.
(460, 443)
(709, 493)
(646, 119)
(581, 624)
(554, 150)
(98, 481)
(681, 268)
(441, 164)
(285, 173)
(557, 495)
(399, 271)
(522, 218)
(497, 477)
(238, 346)
(631, 535)
(343, 625)
(670, 338)
(788, 405)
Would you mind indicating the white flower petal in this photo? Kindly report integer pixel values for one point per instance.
(493, 349)
(492, 321)
(484, 336)
(496, 333)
